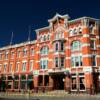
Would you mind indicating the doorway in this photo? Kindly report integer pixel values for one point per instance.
(58, 83)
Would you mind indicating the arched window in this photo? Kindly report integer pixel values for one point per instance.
(76, 46)
(44, 50)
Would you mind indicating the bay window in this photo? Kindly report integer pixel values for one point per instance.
(62, 61)
(56, 62)
(92, 44)
(56, 47)
(76, 46)
(93, 60)
(44, 50)
(76, 60)
(44, 64)
(62, 46)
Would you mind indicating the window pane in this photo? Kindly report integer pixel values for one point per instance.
(74, 86)
(82, 83)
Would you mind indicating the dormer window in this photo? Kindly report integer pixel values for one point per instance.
(75, 31)
(80, 30)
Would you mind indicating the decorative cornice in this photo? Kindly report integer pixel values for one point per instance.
(58, 15)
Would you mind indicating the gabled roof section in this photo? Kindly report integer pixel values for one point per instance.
(57, 16)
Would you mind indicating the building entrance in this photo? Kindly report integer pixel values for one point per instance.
(58, 82)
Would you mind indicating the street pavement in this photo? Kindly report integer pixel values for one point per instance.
(51, 96)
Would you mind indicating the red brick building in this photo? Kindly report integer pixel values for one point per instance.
(64, 56)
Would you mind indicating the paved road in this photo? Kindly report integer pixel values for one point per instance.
(67, 97)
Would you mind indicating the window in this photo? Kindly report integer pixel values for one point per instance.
(76, 46)
(56, 62)
(17, 66)
(71, 32)
(5, 67)
(31, 65)
(62, 46)
(6, 55)
(92, 44)
(44, 50)
(24, 66)
(12, 54)
(74, 84)
(56, 47)
(48, 37)
(80, 30)
(76, 61)
(32, 52)
(18, 54)
(94, 60)
(75, 31)
(56, 36)
(44, 63)
(24, 52)
(91, 29)
(78, 82)
(44, 38)
(10, 68)
(82, 83)
(62, 61)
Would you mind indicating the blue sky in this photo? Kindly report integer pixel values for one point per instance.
(17, 15)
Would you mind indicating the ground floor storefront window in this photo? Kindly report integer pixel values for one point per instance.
(23, 84)
(77, 83)
(16, 83)
(9, 86)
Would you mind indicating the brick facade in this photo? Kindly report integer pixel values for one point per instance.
(64, 56)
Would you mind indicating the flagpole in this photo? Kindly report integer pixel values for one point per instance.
(11, 38)
(29, 35)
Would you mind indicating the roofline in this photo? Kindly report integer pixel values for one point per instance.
(58, 15)
(18, 45)
(83, 18)
(42, 29)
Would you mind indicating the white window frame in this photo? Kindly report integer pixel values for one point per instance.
(24, 52)
(31, 66)
(79, 55)
(24, 66)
